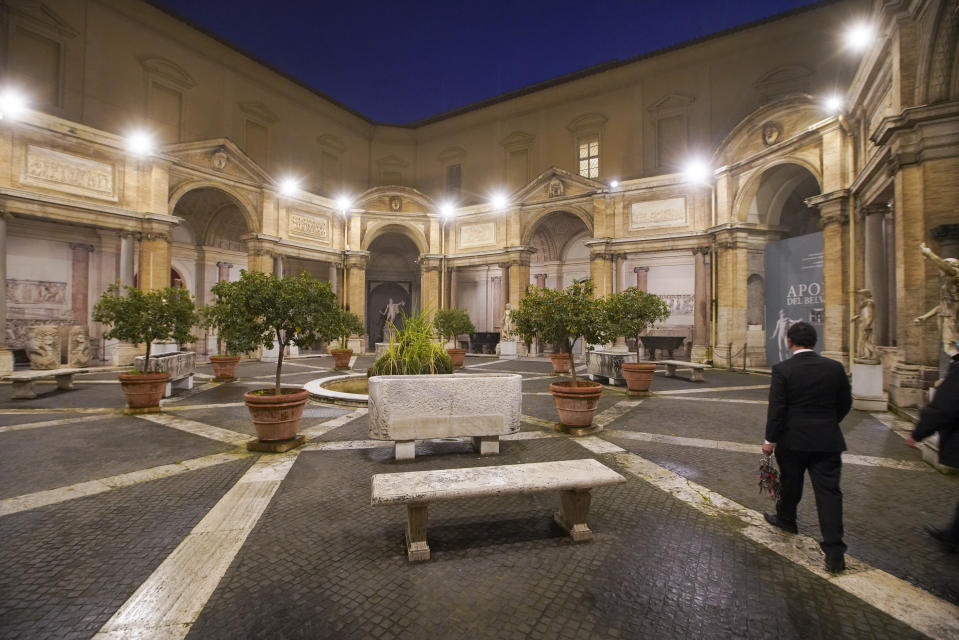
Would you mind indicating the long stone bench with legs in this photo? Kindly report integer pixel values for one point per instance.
(23, 380)
(573, 479)
(696, 369)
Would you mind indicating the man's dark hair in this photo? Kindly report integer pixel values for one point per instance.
(802, 334)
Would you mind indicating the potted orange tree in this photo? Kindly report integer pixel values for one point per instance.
(450, 323)
(139, 317)
(267, 310)
(629, 313)
(347, 324)
(560, 317)
(215, 316)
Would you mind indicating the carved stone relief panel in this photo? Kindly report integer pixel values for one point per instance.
(304, 225)
(478, 234)
(69, 173)
(670, 212)
(44, 347)
(31, 303)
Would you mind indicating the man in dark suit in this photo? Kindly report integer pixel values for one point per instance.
(942, 415)
(808, 396)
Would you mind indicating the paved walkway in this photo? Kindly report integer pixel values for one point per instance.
(164, 526)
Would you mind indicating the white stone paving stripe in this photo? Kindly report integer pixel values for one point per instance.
(171, 599)
(673, 392)
(740, 447)
(538, 422)
(83, 489)
(198, 428)
(99, 410)
(617, 410)
(49, 423)
(483, 364)
(726, 400)
(897, 598)
(190, 407)
(326, 426)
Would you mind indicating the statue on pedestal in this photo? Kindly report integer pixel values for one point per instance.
(508, 328)
(389, 313)
(866, 346)
(947, 311)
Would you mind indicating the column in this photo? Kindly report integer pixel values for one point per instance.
(889, 237)
(835, 218)
(80, 290)
(620, 273)
(127, 253)
(6, 356)
(875, 276)
(333, 277)
(355, 278)
(518, 281)
(601, 273)
(642, 276)
(700, 352)
(429, 284)
(496, 282)
(454, 285)
(540, 280)
(223, 271)
(279, 265)
(154, 261)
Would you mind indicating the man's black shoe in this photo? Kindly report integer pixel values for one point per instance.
(835, 564)
(940, 535)
(776, 521)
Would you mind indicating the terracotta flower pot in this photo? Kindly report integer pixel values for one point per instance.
(639, 375)
(341, 358)
(560, 362)
(224, 367)
(457, 355)
(576, 405)
(143, 390)
(276, 417)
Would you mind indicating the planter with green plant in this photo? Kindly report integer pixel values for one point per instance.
(215, 316)
(267, 310)
(628, 314)
(450, 323)
(144, 318)
(560, 318)
(414, 395)
(348, 324)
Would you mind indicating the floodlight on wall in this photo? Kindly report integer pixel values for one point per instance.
(343, 203)
(499, 200)
(613, 184)
(12, 104)
(140, 143)
(289, 186)
(447, 210)
(697, 170)
(833, 103)
(859, 36)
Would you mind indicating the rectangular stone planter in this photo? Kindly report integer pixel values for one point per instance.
(180, 365)
(405, 409)
(608, 365)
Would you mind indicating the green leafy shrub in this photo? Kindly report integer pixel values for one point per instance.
(139, 317)
(450, 323)
(632, 311)
(348, 324)
(412, 351)
(260, 310)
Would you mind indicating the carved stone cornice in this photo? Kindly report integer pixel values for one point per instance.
(155, 236)
(82, 246)
(430, 263)
(703, 250)
(356, 259)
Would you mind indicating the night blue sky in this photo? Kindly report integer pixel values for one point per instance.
(399, 62)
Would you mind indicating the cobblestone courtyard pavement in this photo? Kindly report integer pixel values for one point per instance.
(164, 526)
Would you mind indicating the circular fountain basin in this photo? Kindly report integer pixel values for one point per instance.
(351, 390)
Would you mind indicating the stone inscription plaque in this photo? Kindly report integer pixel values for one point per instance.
(477, 235)
(69, 173)
(657, 213)
(308, 226)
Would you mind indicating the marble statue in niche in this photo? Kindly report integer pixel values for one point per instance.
(866, 345)
(80, 352)
(44, 349)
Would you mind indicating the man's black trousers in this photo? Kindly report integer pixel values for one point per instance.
(824, 471)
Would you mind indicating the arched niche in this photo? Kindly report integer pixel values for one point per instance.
(393, 273)
(559, 239)
(776, 197)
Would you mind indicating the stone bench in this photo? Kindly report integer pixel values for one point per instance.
(573, 479)
(696, 369)
(23, 380)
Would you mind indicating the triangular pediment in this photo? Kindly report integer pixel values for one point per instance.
(168, 70)
(258, 110)
(40, 15)
(218, 156)
(556, 184)
(517, 139)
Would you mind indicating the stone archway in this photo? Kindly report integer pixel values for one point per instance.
(393, 273)
(561, 255)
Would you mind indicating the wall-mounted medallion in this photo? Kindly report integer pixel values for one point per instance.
(396, 203)
(772, 133)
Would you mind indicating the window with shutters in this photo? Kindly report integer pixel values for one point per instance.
(589, 158)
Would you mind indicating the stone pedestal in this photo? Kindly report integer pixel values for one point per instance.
(867, 393)
(273, 353)
(908, 383)
(179, 364)
(124, 354)
(608, 365)
(381, 348)
(511, 349)
(755, 346)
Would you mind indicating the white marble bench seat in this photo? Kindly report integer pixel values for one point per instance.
(23, 380)
(696, 369)
(573, 479)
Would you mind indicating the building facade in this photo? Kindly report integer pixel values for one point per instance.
(590, 165)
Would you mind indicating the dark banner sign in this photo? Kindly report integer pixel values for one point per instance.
(794, 291)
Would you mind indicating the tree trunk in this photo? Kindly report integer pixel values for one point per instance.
(279, 361)
(146, 361)
(572, 362)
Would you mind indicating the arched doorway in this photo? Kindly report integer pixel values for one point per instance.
(393, 273)
(561, 255)
(791, 274)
